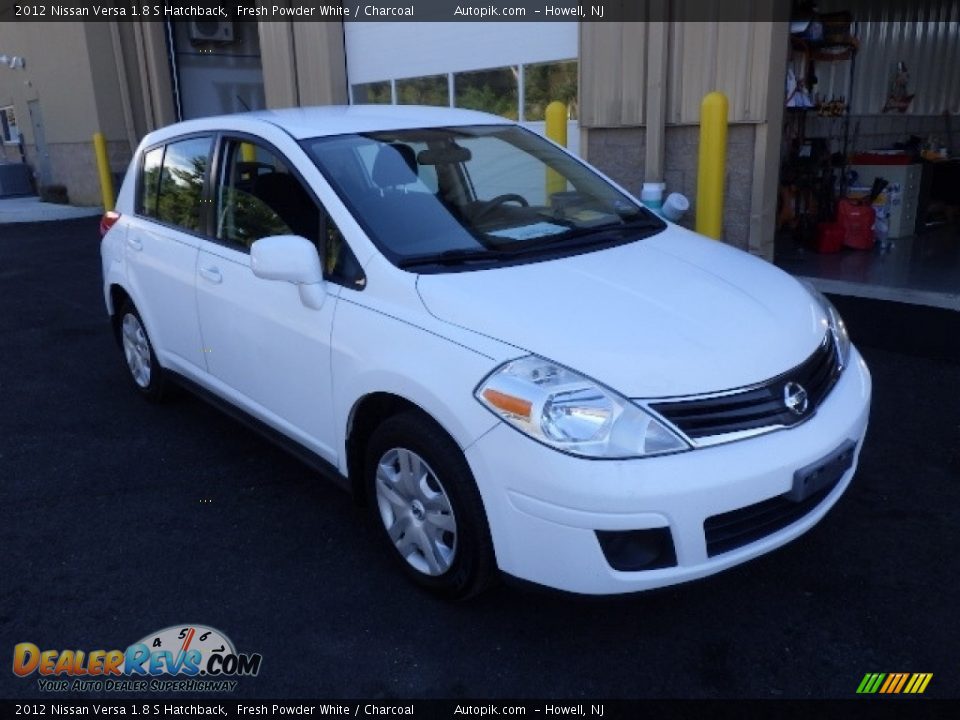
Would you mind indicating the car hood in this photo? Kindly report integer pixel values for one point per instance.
(673, 314)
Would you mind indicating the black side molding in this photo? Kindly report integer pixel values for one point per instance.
(304, 455)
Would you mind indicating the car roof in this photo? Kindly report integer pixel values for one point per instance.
(307, 122)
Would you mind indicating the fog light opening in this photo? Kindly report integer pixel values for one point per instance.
(633, 550)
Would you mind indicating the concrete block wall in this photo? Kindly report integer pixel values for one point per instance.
(619, 152)
(74, 166)
(9, 153)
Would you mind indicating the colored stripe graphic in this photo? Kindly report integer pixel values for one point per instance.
(894, 683)
(870, 683)
(918, 683)
(899, 686)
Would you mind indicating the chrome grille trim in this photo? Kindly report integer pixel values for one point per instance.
(739, 413)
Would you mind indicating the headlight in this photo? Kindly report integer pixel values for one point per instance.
(837, 327)
(571, 413)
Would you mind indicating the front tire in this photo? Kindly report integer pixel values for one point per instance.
(142, 367)
(425, 503)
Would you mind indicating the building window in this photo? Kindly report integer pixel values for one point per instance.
(429, 90)
(373, 93)
(494, 91)
(546, 82)
(497, 91)
(8, 125)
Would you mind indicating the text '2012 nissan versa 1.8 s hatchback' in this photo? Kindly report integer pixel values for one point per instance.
(513, 363)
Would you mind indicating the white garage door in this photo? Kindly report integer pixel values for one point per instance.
(509, 69)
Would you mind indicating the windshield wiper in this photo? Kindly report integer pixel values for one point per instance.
(457, 256)
(595, 233)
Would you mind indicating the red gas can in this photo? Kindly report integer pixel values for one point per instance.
(856, 219)
(829, 238)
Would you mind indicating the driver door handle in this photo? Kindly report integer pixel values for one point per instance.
(212, 274)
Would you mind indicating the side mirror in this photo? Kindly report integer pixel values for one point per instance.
(292, 259)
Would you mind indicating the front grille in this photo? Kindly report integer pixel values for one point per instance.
(741, 527)
(761, 406)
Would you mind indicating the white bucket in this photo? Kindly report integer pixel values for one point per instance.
(675, 207)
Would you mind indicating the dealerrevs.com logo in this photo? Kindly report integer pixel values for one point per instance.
(180, 658)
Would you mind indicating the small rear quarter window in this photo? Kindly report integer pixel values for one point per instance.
(150, 181)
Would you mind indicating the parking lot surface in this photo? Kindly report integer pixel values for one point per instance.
(119, 518)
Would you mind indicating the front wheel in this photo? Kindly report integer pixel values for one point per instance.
(424, 499)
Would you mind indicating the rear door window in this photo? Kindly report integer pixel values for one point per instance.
(177, 185)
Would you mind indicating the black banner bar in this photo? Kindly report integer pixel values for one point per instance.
(894, 707)
(395, 10)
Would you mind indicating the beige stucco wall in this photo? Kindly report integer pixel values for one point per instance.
(114, 78)
(69, 68)
(57, 72)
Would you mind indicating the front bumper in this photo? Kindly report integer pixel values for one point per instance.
(544, 508)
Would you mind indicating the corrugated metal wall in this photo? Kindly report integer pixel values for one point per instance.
(303, 63)
(703, 56)
(612, 74)
(925, 35)
(725, 56)
(733, 58)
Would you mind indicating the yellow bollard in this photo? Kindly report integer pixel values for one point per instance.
(556, 117)
(103, 169)
(712, 165)
(248, 152)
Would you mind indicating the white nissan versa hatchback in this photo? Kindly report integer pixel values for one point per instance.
(512, 362)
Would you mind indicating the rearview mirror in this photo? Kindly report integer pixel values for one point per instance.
(445, 155)
(292, 259)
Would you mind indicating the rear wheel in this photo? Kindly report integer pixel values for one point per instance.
(142, 366)
(424, 500)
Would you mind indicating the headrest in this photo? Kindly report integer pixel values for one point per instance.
(395, 164)
(276, 184)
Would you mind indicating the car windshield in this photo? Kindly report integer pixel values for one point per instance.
(458, 197)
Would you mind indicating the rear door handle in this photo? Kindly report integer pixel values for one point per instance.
(134, 242)
(212, 274)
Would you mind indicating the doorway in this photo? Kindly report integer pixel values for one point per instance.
(870, 158)
(44, 174)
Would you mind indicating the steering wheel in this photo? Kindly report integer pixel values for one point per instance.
(490, 205)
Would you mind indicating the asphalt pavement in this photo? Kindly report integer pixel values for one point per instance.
(119, 518)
